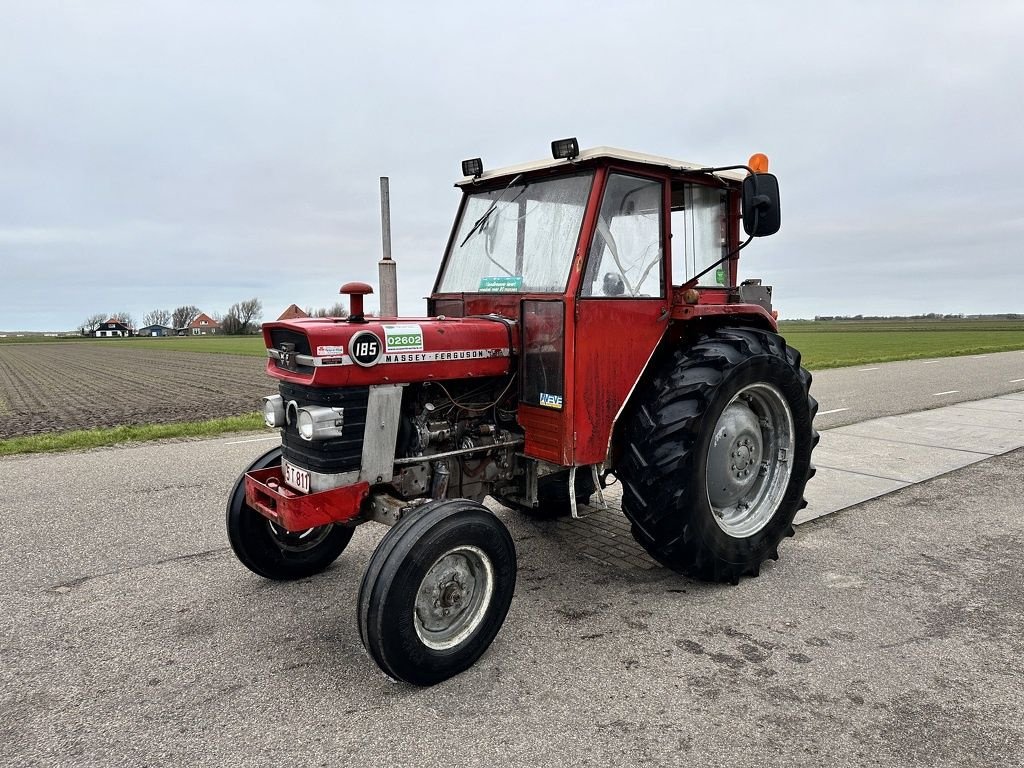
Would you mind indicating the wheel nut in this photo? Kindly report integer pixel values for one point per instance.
(446, 611)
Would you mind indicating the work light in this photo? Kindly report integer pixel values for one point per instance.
(565, 149)
(473, 167)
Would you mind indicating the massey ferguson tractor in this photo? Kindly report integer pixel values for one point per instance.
(587, 321)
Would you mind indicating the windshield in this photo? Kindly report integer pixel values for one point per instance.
(517, 239)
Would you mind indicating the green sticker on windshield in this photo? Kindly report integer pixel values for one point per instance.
(720, 276)
(502, 284)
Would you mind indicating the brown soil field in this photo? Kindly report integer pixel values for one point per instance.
(55, 387)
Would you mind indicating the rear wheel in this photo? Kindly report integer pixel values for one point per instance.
(437, 590)
(269, 550)
(717, 453)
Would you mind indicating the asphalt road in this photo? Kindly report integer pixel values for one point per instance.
(889, 634)
(849, 395)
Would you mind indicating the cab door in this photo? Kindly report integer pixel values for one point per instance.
(622, 305)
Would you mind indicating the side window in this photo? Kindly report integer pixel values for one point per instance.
(625, 255)
(699, 233)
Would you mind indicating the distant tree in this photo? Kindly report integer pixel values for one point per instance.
(231, 325)
(157, 317)
(250, 312)
(335, 310)
(91, 323)
(242, 317)
(182, 316)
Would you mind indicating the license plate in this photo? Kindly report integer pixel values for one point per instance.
(295, 477)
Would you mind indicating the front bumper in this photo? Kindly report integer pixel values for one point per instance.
(295, 511)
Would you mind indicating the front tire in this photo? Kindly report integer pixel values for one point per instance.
(717, 453)
(437, 590)
(270, 551)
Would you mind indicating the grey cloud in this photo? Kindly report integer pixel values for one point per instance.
(157, 154)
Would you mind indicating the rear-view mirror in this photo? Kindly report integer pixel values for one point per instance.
(761, 214)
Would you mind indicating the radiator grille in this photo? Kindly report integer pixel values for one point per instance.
(342, 454)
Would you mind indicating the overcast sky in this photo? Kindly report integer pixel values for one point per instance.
(159, 154)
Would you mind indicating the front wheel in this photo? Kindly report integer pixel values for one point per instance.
(717, 453)
(269, 550)
(437, 590)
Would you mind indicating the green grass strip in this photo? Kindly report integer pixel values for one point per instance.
(96, 438)
(823, 349)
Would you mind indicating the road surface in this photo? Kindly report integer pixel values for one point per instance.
(889, 634)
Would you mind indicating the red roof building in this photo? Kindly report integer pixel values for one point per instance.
(203, 325)
(292, 312)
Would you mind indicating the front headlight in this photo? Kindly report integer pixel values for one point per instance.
(273, 411)
(320, 422)
(304, 423)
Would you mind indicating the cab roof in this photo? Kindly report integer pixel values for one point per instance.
(598, 153)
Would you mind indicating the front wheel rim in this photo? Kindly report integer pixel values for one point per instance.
(453, 598)
(750, 460)
(300, 541)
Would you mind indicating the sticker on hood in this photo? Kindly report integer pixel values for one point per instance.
(405, 337)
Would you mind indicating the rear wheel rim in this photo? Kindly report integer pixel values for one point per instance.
(750, 460)
(454, 597)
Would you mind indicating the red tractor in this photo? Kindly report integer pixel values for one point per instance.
(586, 320)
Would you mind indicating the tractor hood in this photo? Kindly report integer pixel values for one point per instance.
(329, 352)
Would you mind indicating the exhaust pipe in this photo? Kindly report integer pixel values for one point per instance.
(386, 267)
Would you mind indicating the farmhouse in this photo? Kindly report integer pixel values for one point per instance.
(155, 330)
(204, 325)
(112, 328)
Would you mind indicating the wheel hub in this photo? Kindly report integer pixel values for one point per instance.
(453, 597)
(735, 447)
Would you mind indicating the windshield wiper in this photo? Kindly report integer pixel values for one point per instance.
(479, 223)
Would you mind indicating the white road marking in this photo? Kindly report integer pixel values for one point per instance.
(865, 370)
(977, 356)
(252, 440)
(931, 362)
(1014, 381)
(834, 410)
(951, 392)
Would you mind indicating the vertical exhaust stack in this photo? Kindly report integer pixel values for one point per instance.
(386, 267)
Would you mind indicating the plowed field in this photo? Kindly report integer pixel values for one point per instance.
(55, 387)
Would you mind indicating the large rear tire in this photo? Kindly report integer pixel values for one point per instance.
(269, 550)
(437, 590)
(716, 451)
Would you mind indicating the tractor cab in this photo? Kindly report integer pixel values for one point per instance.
(595, 254)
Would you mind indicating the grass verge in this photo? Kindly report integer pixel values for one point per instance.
(95, 438)
(835, 345)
